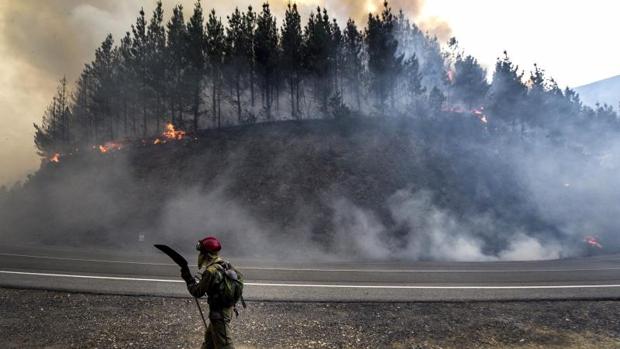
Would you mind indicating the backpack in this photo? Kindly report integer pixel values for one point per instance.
(230, 289)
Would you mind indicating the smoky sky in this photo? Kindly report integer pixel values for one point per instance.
(59, 37)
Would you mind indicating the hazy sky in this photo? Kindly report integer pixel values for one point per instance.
(41, 40)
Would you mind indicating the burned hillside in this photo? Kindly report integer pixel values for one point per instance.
(395, 188)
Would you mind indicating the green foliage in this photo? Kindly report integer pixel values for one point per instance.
(337, 108)
(196, 60)
(317, 59)
(216, 47)
(436, 99)
(177, 65)
(507, 91)
(266, 56)
(413, 77)
(292, 55)
(469, 83)
(52, 136)
(156, 66)
(353, 64)
(384, 63)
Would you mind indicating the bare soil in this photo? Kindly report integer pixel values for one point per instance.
(45, 319)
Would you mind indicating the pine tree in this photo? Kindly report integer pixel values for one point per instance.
(336, 56)
(249, 33)
(156, 65)
(52, 136)
(105, 91)
(265, 51)
(83, 130)
(413, 78)
(507, 91)
(196, 60)
(317, 44)
(469, 82)
(383, 62)
(353, 64)
(176, 56)
(537, 106)
(236, 68)
(436, 99)
(125, 78)
(139, 52)
(292, 42)
(216, 45)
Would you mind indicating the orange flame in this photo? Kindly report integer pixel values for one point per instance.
(479, 113)
(171, 133)
(109, 146)
(451, 76)
(592, 241)
(55, 158)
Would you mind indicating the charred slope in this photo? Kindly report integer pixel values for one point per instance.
(365, 188)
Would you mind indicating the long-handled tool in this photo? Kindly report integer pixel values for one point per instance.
(201, 314)
(181, 262)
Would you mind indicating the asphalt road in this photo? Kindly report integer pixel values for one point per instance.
(151, 273)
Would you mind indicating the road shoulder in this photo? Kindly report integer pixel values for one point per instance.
(37, 318)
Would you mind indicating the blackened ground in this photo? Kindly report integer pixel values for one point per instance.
(44, 319)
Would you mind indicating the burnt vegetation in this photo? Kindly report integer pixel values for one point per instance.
(317, 131)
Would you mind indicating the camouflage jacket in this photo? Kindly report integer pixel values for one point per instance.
(208, 282)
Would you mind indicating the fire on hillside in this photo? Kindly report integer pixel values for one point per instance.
(169, 134)
(592, 241)
(109, 146)
(479, 113)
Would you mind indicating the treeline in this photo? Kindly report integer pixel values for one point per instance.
(208, 73)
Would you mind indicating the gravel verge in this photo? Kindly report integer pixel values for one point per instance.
(46, 319)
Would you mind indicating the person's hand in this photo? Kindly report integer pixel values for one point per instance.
(187, 276)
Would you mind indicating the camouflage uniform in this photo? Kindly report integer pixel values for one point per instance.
(218, 333)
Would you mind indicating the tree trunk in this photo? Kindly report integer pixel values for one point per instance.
(213, 102)
(238, 88)
(219, 108)
(252, 84)
(195, 107)
(125, 120)
(292, 86)
(158, 113)
(297, 97)
(144, 120)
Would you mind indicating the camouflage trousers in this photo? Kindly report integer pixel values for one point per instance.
(218, 335)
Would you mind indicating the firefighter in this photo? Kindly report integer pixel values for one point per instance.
(217, 335)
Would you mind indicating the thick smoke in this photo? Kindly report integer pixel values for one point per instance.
(58, 37)
(525, 200)
(196, 212)
(433, 233)
(465, 191)
(414, 9)
(574, 186)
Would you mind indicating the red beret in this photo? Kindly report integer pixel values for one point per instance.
(209, 244)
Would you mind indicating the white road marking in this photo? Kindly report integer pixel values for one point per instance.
(80, 259)
(404, 287)
(95, 277)
(334, 270)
